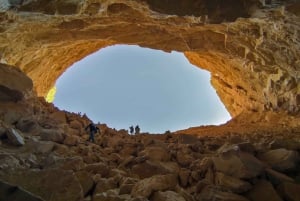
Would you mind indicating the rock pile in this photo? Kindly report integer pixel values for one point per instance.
(48, 156)
(44, 155)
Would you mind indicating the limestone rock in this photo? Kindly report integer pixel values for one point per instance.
(281, 159)
(145, 187)
(167, 196)
(15, 137)
(241, 165)
(262, 191)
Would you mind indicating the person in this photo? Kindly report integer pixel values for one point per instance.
(131, 130)
(137, 129)
(93, 129)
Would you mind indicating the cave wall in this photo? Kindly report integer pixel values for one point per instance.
(251, 48)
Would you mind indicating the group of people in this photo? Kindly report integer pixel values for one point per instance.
(136, 129)
(94, 129)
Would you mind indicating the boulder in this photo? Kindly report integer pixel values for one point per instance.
(212, 193)
(149, 169)
(281, 159)
(145, 187)
(72, 163)
(98, 168)
(75, 124)
(156, 153)
(244, 146)
(167, 196)
(290, 144)
(14, 84)
(262, 191)
(184, 159)
(240, 165)
(233, 184)
(40, 147)
(15, 137)
(27, 125)
(52, 135)
(10, 192)
(59, 116)
(86, 181)
(50, 185)
(71, 140)
(289, 191)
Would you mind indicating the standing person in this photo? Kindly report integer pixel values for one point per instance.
(131, 130)
(93, 129)
(137, 129)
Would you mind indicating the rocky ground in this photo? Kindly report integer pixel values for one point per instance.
(44, 151)
(44, 155)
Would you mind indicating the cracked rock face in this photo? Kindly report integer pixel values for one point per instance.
(251, 47)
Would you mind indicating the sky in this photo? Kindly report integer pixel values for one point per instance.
(124, 85)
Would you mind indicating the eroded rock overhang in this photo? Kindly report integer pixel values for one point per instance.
(251, 48)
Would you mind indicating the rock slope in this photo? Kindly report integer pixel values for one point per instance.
(44, 155)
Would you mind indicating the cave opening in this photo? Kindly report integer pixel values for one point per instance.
(124, 85)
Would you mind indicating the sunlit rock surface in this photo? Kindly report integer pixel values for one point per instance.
(251, 47)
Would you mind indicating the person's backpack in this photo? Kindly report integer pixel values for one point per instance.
(93, 127)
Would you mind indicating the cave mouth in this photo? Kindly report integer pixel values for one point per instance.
(124, 85)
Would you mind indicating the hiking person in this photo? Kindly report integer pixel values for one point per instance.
(93, 129)
(131, 130)
(137, 129)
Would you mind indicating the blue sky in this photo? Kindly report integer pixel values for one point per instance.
(126, 85)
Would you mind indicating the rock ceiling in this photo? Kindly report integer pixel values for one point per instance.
(251, 48)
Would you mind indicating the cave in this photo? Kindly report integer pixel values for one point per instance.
(251, 48)
(123, 85)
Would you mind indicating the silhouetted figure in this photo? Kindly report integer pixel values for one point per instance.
(131, 130)
(93, 129)
(137, 129)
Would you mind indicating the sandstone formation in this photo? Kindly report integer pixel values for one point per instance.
(250, 47)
